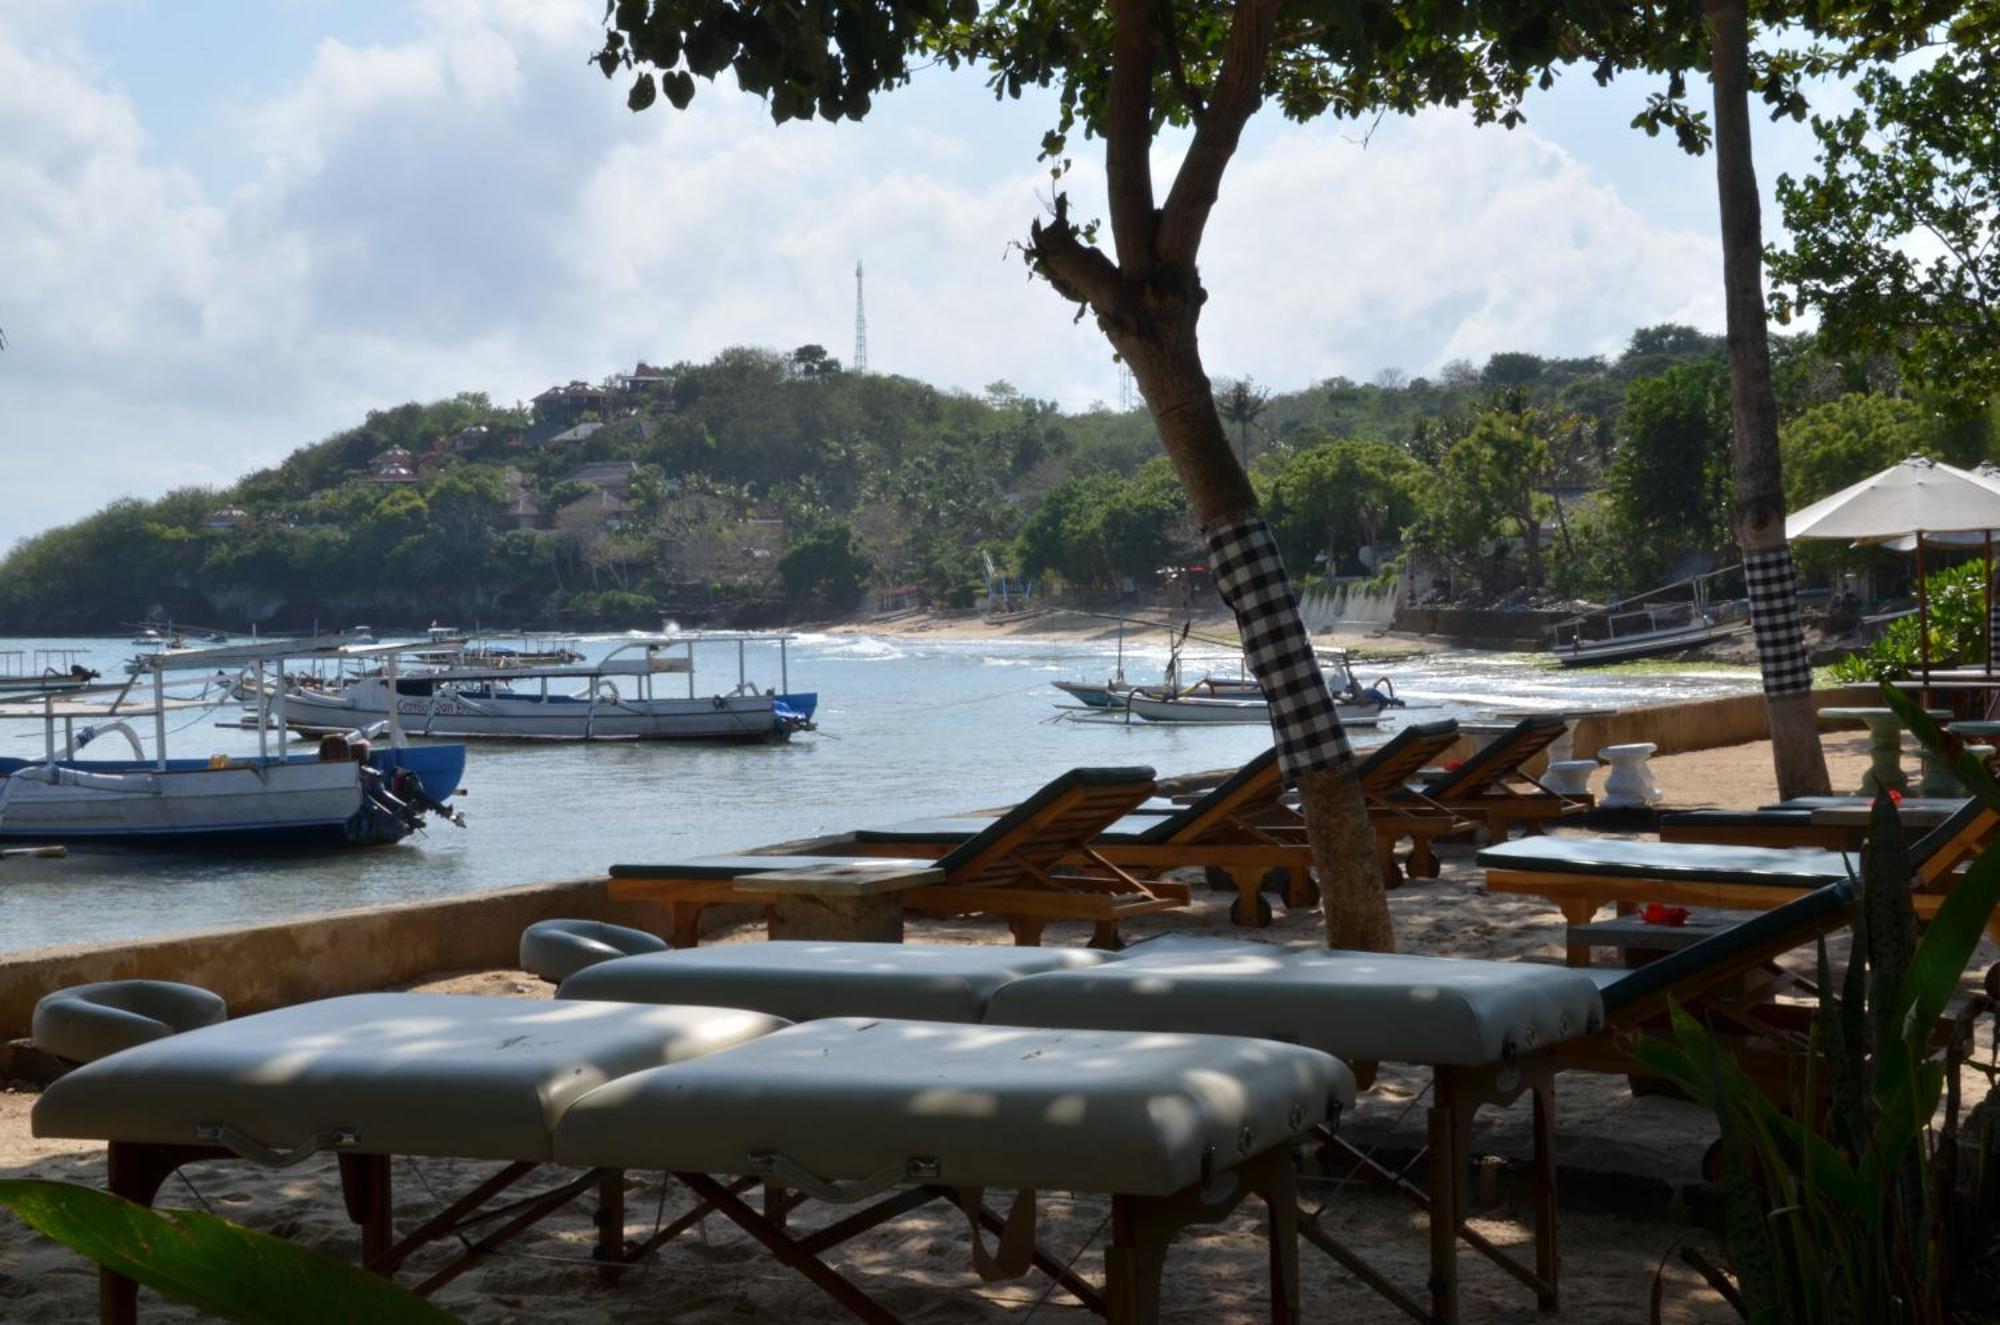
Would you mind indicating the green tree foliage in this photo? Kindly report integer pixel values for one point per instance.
(1669, 485)
(1098, 529)
(1490, 479)
(1843, 441)
(1332, 498)
(1895, 238)
(827, 566)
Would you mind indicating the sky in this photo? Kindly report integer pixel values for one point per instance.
(229, 228)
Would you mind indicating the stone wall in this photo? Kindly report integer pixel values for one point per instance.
(256, 967)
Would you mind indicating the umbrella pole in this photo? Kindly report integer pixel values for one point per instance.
(1988, 650)
(1923, 625)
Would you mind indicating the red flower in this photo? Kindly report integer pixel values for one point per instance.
(1658, 913)
(1453, 765)
(1895, 797)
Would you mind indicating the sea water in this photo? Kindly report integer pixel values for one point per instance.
(908, 727)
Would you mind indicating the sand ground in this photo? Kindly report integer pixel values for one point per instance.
(1623, 1159)
(1063, 625)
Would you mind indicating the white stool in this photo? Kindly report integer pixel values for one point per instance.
(1569, 777)
(1630, 782)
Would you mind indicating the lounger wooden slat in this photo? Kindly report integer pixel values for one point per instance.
(1242, 829)
(1494, 789)
(1029, 866)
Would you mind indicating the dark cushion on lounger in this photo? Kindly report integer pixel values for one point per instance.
(1692, 862)
(1802, 917)
(730, 867)
(1775, 820)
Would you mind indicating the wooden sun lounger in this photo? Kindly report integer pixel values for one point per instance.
(1032, 865)
(1580, 875)
(1492, 788)
(1241, 830)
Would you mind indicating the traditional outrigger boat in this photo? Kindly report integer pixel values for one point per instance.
(52, 670)
(614, 699)
(1636, 629)
(348, 793)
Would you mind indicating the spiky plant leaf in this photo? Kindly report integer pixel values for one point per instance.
(1838, 1026)
(218, 1268)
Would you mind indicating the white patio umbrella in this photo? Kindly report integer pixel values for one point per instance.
(1916, 498)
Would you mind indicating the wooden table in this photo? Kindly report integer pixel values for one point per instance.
(859, 901)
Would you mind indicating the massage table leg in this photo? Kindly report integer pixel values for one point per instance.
(1548, 1264)
(135, 1172)
(1142, 1228)
(1423, 862)
(1444, 1181)
(1027, 930)
(365, 1187)
(610, 1220)
(1577, 911)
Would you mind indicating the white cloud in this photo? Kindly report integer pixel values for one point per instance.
(474, 209)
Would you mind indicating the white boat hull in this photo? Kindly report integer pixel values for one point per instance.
(533, 717)
(114, 802)
(1241, 711)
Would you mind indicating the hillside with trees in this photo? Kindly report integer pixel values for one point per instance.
(764, 486)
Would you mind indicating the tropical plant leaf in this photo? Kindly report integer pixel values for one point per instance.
(1937, 967)
(1888, 931)
(212, 1265)
(1838, 1028)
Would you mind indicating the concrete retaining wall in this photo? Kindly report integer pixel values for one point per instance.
(256, 967)
(1696, 724)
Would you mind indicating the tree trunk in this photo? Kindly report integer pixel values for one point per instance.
(1531, 530)
(1148, 302)
(1760, 494)
(1167, 367)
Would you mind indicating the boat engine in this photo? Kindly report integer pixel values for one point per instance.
(1383, 692)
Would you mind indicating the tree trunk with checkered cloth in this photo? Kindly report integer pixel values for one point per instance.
(1148, 302)
(1760, 493)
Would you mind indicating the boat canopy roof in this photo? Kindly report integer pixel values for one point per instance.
(70, 707)
(237, 655)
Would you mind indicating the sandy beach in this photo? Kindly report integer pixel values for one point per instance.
(1627, 1167)
(1147, 626)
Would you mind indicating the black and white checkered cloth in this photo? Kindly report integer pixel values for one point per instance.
(1774, 620)
(1252, 578)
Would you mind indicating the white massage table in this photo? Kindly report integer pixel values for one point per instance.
(1478, 1026)
(1178, 1129)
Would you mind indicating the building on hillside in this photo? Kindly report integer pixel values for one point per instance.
(607, 475)
(562, 407)
(643, 377)
(228, 517)
(469, 439)
(523, 511)
(394, 465)
(568, 436)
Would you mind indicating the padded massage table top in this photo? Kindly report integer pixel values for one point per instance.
(1693, 862)
(1379, 1007)
(966, 1106)
(408, 1074)
(801, 981)
(1431, 1010)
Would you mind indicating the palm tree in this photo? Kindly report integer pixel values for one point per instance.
(1242, 401)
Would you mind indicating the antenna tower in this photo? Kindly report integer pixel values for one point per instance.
(1127, 392)
(860, 325)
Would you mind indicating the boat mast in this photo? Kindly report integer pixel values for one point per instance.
(159, 718)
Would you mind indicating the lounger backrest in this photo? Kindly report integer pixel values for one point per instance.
(1499, 759)
(1943, 847)
(1047, 826)
(1388, 767)
(1255, 786)
(1687, 972)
